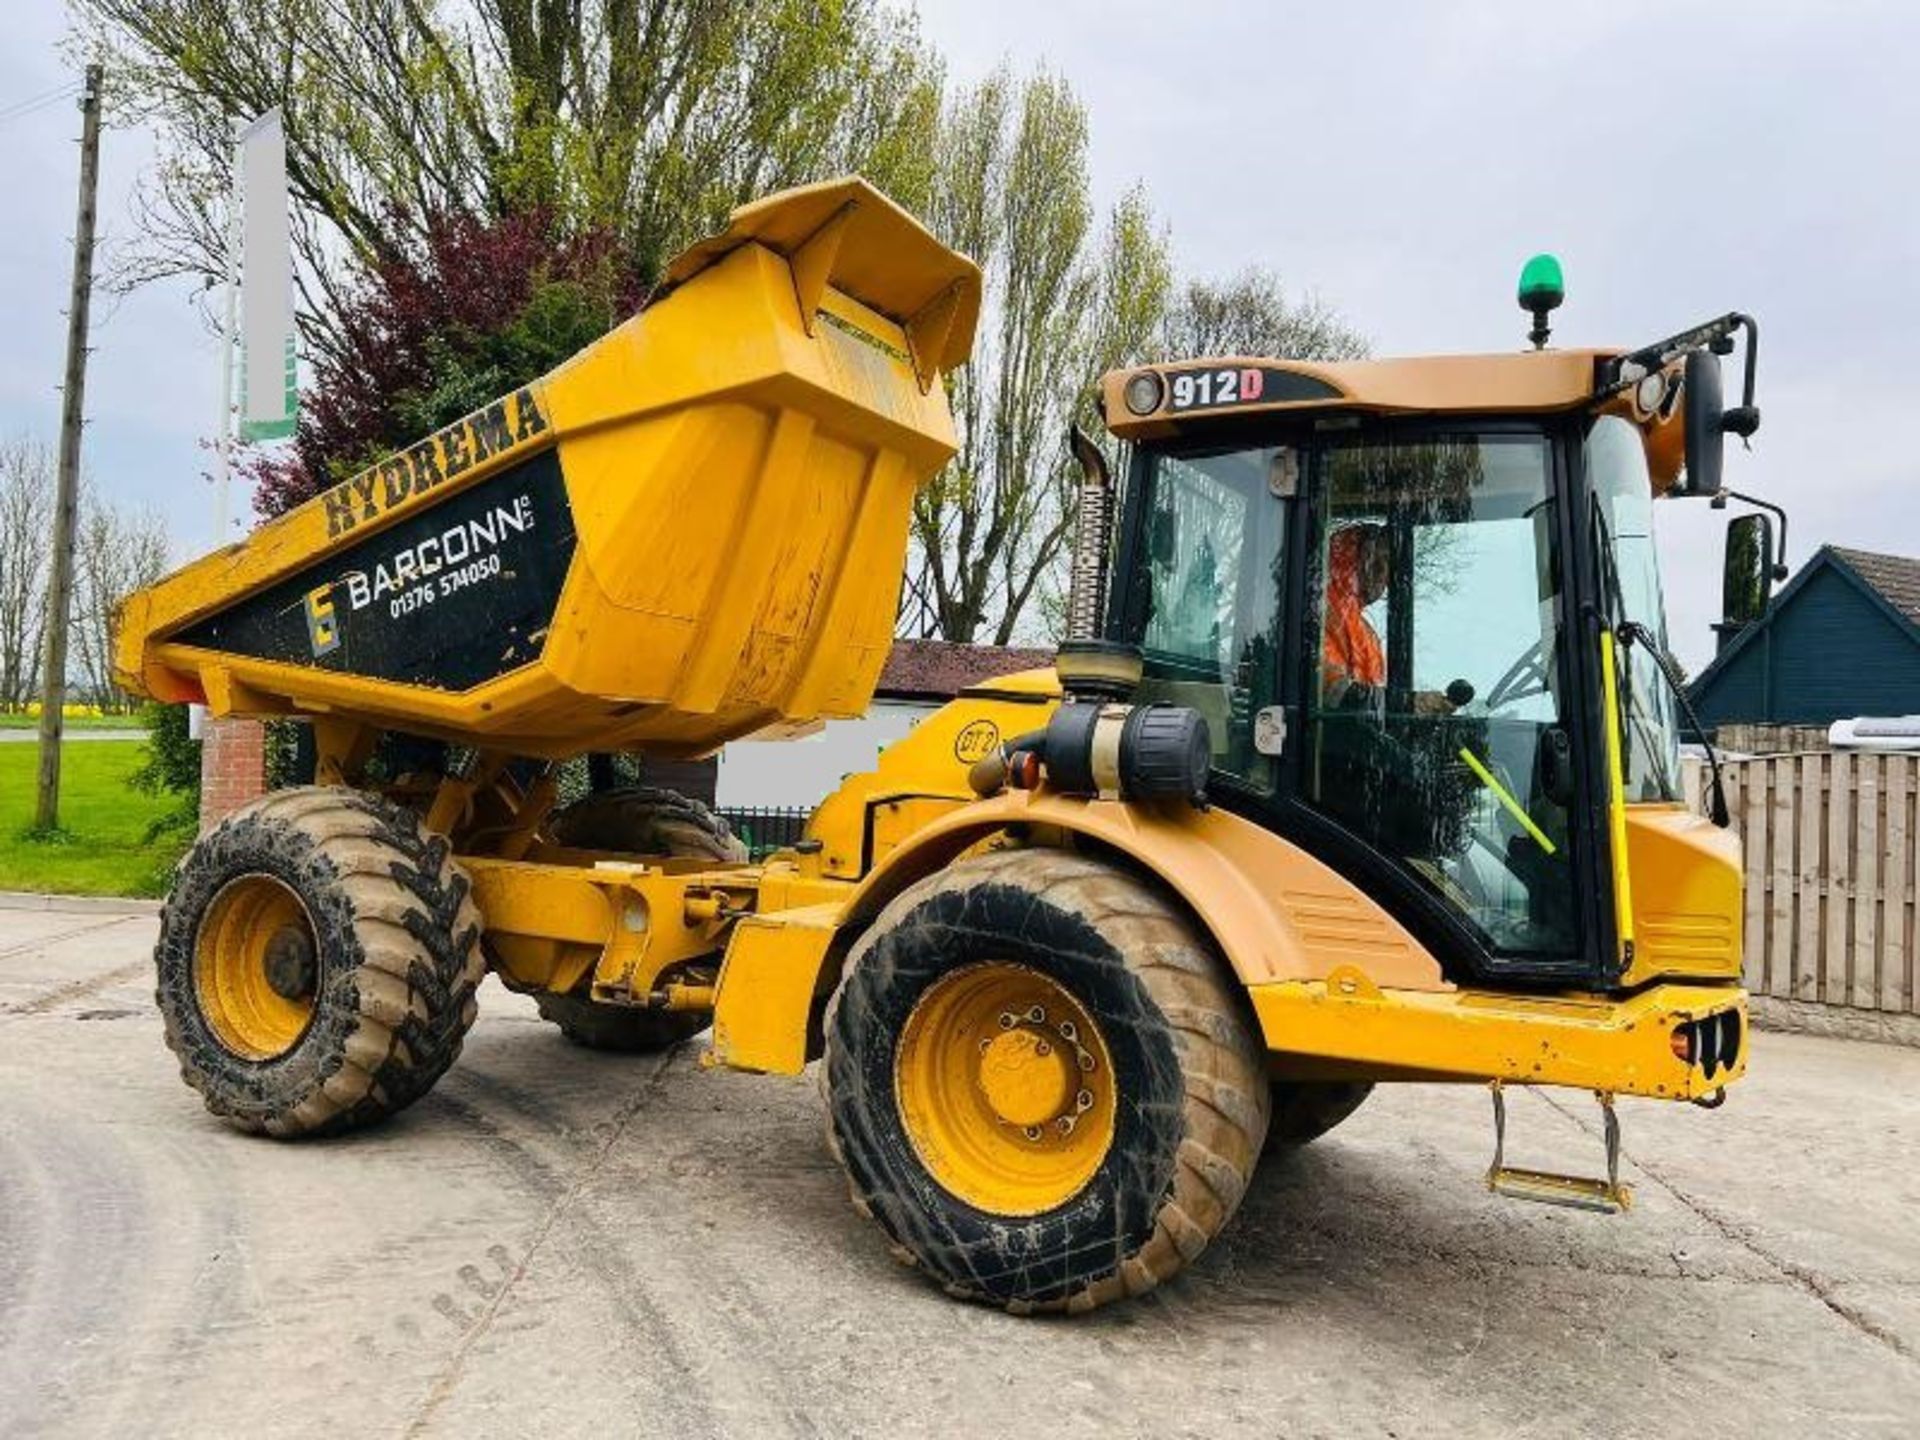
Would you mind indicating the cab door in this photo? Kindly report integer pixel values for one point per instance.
(1434, 764)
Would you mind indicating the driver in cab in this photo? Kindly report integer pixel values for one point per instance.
(1353, 664)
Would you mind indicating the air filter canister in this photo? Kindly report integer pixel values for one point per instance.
(1128, 752)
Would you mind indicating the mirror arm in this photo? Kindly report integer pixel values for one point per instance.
(1719, 502)
(1753, 358)
(1716, 335)
(1744, 419)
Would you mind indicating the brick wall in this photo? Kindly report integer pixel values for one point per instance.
(233, 767)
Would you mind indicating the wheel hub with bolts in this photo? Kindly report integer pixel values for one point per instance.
(1005, 1088)
(1032, 1073)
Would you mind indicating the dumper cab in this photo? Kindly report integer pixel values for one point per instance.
(1418, 604)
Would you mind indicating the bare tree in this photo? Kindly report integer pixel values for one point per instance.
(116, 552)
(1250, 314)
(26, 515)
(1066, 299)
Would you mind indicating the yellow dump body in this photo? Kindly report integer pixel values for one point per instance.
(692, 530)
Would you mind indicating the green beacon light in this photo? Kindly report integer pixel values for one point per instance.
(1542, 288)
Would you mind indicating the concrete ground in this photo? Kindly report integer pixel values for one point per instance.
(556, 1242)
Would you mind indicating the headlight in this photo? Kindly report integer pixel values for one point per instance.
(1145, 391)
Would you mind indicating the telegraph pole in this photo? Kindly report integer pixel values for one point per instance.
(53, 691)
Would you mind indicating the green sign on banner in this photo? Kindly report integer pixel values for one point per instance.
(282, 425)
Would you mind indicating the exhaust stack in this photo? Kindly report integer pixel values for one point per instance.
(1090, 667)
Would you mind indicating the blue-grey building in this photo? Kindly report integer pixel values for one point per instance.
(1841, 639)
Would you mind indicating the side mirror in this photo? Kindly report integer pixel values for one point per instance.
(1747, 575)
(1705, 417)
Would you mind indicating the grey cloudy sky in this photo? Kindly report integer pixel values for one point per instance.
(1683, 159)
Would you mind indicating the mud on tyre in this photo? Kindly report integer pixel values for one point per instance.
(987, 995)
(647, 820)
(626, 1029)
(1305, 1110)
(317, 962)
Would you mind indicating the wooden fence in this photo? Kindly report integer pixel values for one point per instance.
(1832, 875)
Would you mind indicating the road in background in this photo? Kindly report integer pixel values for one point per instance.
(32, 737)
(556, 1241)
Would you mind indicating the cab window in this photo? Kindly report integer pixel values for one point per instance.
(1434, 730)
(1204, 602)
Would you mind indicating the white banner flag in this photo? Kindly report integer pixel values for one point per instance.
(267, 383)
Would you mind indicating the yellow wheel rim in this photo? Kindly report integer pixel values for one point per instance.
(1006, 1089)
(254, 967)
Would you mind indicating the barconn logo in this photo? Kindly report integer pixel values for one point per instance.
(422, 574)
(461, 545)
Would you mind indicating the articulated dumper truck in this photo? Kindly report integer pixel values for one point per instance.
(1359, 764)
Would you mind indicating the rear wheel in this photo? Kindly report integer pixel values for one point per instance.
(1041, 1083)
(317, 962)
(1304, 1111)
(622, 1028)
(646, 820)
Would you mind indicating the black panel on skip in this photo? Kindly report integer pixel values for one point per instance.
(453, 596)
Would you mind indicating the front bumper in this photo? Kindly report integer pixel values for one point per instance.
(1345, 1027)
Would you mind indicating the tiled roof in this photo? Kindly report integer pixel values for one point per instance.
(1896, 577)
(941, 669)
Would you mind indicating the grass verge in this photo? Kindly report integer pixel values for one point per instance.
(102, 846)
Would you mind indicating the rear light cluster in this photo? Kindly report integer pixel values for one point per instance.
(1713, 1043)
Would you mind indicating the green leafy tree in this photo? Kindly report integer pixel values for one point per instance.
(170, 765)
(644, 120)
(1066, 300)
(481, 189)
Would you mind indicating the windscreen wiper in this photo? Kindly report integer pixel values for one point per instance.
(1632, 632)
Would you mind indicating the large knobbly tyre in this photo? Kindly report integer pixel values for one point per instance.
(317, 960)
(1042, 1082)
(646, 820)
(623, 1028)
(1303, 1111)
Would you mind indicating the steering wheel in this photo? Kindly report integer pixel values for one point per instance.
(1524, 679)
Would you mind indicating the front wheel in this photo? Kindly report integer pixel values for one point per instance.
(1041, 1082)
(317, 962)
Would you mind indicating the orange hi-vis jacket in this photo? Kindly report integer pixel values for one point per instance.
(1352, 651)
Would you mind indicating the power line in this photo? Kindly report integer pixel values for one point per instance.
(29, 113)
(24, 108)
(62, 88)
